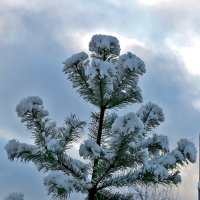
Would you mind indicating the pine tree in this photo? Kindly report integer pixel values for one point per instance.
(120, 150)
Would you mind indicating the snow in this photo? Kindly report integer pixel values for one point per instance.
(14, 148)
(178, 155)
(57, 180)
(50, 128)
(100, 43)
(160, 172)
(74, 121)
(162, 140)
(30, 103)
(90, 149)
(15, 196)
(143, 155)
(167, 161)
(151, 115)
(74, 60)
(56, 137)
(188, 149)
(77, 166)
(54, 144)
(132, 62)
(127, 124)
(101, 68)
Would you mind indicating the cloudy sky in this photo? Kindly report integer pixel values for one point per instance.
(36, 36)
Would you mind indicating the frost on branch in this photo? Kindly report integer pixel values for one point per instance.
(15, 196)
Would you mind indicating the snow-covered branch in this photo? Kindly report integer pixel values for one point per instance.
(18, 150)
(151, 115)
(61, 185)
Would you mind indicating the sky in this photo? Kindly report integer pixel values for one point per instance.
(37, 36)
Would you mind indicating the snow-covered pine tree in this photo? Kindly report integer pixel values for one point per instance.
(120, 150)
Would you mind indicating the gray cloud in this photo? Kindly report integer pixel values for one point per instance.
(174, 19)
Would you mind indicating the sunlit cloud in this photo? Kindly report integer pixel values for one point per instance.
(188, 188)
(81, 40)
(196, 104)
(189, 53)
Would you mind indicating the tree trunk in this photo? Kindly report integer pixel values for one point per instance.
(100, 128)
(92, 191)
(91, 195)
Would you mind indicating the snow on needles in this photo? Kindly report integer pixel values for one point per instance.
(30, 104)
(14, 148)
(151, 115)
(105, 65)
(104, 44)
(162, 140)
(90, 149)
(188, 149)
(73, 60)
(57, 180)
(101, 68)
(132, 62)
(129, 123)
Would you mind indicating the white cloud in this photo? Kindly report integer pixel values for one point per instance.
(154, 2)
(196, 104)
(128, 43)
(189, 185)
(189, 53)
(79, 40)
